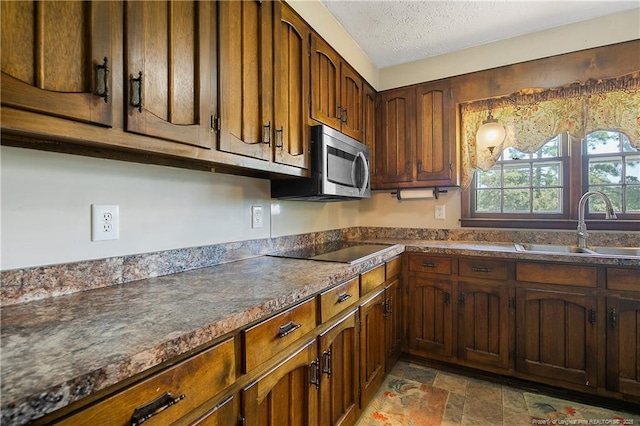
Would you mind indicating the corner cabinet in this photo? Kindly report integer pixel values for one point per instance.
(169, 64)
(416, 137)
(67, 75)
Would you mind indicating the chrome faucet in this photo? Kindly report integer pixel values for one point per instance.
(582, 226)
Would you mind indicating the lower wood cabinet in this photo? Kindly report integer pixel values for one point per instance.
(372, 345)
(225, 413)
(623, 345)
(287, 394)
(557, 336)
(484, 324)
(339, 372)
(393, 322)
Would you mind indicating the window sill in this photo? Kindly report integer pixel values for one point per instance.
(594, 225)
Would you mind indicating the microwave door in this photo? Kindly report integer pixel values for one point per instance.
(360, 175)
(338, 164)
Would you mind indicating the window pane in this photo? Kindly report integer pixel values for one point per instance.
(602, 142)
(516, 175)
(546, 174)
(547, 200)
(605, 170)
(510, 154)
(596, 204)
(632, 169)
(516, 201)
(488, 200)
(626, 144)
(488, 179)
(632, 199)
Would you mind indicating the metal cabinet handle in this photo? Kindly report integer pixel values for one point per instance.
(145, 412)
(102, 80)
(326, 362)
(266, 134)
(279, 137)
(429, 265)
(288, 328)
(136, 95)
(592, 315)
(461, 299)
(343, 297)
(314, 373)
(344, 116)
(447, 298)
(419, 165)
(613, 318)
(482, 269)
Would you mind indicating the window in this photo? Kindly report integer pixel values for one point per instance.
(535, 190)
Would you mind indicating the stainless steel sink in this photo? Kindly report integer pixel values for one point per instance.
(552, 248)
(620, 251)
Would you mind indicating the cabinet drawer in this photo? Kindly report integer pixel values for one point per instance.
(433, 264)
(394, 267)
(573, 275)
(481, 268)
(372, 279)
(623, 279)
(338, 298)
(182, 388)
(267, 338)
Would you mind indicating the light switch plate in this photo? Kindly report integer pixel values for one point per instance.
(440, 212)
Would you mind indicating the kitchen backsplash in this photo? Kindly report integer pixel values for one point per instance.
(24, 285)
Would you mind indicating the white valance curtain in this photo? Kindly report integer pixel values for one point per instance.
(532, 117)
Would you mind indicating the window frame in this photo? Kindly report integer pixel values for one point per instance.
(574, 186)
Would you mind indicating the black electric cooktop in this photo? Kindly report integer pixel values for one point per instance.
(337, 251)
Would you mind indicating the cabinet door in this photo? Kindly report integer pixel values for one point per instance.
(369, 128)
(246, 77)
(430, 317)
(351, 95)
(557, 336)
(339, 379)
(291, 132)
(393, 323)
(484, 324)
(623, 345)
(395, 140)
(169, 70)
(325, 83)
(56, 58)
(372, 346)
(435, 142)
(286, 395)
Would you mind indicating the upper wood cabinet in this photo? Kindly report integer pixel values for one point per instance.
(336, 90)
(395, 141)
(416, 137)
(57, 59)
(245, 55)
(169, 48)
(369, 125)
(291, 51)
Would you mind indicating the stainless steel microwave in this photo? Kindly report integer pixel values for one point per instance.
(339, 170)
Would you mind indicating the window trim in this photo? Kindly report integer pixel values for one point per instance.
(575, 187)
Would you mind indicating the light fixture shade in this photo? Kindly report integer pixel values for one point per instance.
(490, 134)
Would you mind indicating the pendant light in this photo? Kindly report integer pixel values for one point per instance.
(490, 134)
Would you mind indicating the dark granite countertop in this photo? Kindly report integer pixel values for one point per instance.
(58, 350)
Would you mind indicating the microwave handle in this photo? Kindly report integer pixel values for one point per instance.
(366, 175)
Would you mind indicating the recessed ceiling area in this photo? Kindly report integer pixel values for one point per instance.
(393, 32)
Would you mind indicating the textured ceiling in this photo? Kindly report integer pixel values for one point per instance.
(393, 32)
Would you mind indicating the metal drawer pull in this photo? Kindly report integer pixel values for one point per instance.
(136, 95)
(429, 265)
(145, 412)
(102, 82)
(289, 327)
(482, 269)
(343, 297)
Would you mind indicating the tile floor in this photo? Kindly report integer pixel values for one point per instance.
(471, 401)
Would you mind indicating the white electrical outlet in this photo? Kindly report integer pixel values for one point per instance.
(105, 222)
(257, 217)
(440, 212)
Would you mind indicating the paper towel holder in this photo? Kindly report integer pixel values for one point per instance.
(418, 193)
